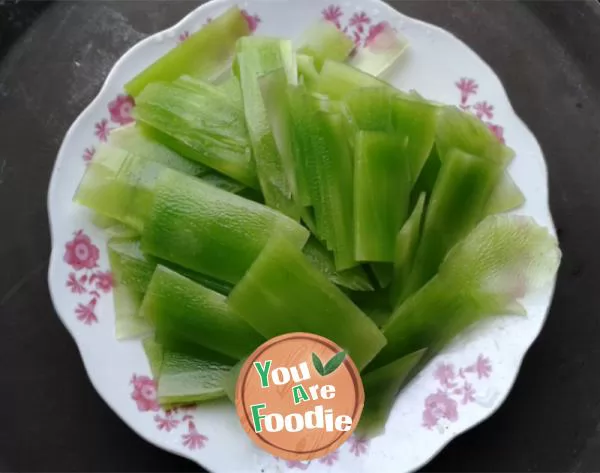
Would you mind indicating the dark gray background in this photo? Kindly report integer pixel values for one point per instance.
(548, 56)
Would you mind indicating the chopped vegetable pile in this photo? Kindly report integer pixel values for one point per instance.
(269, 188)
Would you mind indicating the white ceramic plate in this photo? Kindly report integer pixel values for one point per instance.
(460, 388)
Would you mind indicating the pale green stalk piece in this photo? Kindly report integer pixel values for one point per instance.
(195, 314)
(461, 130)
(354, 279)
(407, 241)
(210, 231)
(381, 389)
(154, 353)
(255, 58)
(229, 381)
(282, 293)
(323, 41)
(119, 185)
(307, 71)
(381, 52)
(462, 189)
(132, 139)
(205, 54)
(186, 379)
(336, 80)
(382, 184)
(503, 259)
(506, 196)
(200, 123)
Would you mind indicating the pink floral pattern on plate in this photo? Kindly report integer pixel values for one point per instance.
(86, 279)
(455, 388)
(357, 446)
(360, 27)
(482, 109)
(144, 394)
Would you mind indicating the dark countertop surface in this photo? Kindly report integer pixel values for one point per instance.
(52, 63)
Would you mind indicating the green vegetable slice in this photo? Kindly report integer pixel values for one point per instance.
(132, 139)
(216, 42)
(336, 176)
(337, 80)
(119, 185)
(211, 231)
(383, 272)
(130, 280)
(196, 314)
(229, 382)
(323, 41)
(461, 191)
(199, 123)
(499, 262)
(307, 71)
(282, 293)
(375, 304)
(407, 241)
(132, 272)
(381, 388)
(427, 178)
(385, 109)
(113, 228)
(281, 105)
(255, 58)
(382, 186)
(354, 279)
(186, 379)
(154, 352)
(458, 129)
(232, 89)
(381, 51)
(506, 196)
(127, 323)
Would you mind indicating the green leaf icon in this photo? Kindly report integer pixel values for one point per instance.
(334, 363)
(317, 364)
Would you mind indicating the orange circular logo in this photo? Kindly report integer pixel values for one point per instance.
(299, 396)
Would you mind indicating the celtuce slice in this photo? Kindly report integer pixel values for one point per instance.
(336, 179)
(282, 293)
(506, 196)
(255, 58)
(196, 314)
(387, 110)
(382, 186)
(381, 52)
(119, 185)
(505, 254)
(354, 279)
(461, 191)
(307, 71)
(503, 259)
(458, 129)
(154, 352)
(186, 379)
(132, 139)
(336, 80)
(324, 41)
(210, 231)
(406, 245)
(216, 41)
(381, 387)
(201, 124)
